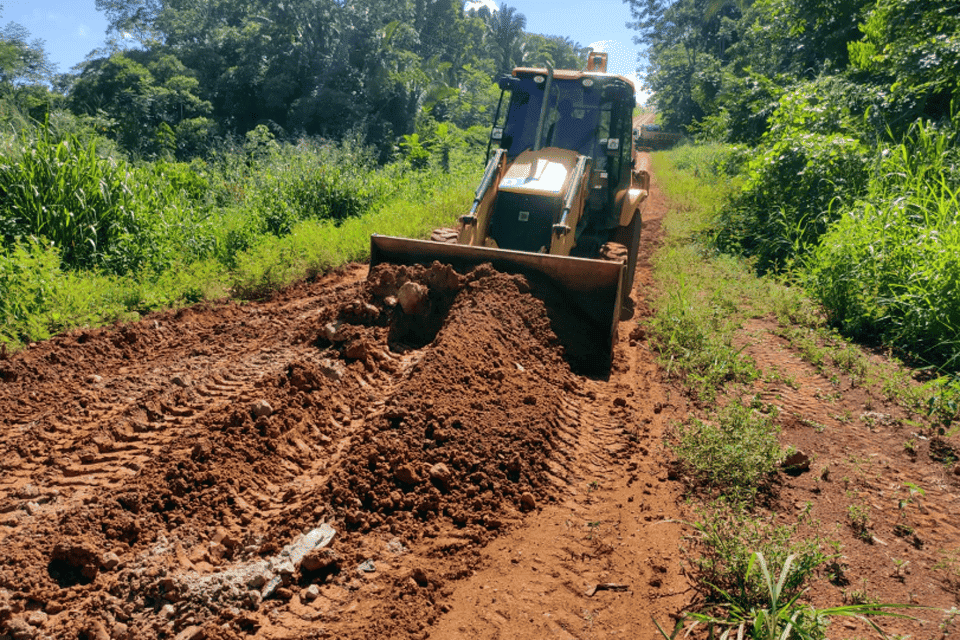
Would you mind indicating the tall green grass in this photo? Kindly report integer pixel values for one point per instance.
(88, 239)
(63, 191)
(889, 269)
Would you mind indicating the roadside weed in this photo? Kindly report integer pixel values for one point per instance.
(736, 453)
(727, 538)
(780, 616)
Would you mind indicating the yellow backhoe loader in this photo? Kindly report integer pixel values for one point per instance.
(561, 195)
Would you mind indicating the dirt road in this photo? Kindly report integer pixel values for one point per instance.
(315, 466)
(154, 473)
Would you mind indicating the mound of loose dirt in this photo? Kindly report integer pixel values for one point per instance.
(421, 401)
(470, 429)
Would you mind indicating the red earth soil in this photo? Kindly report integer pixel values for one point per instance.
(169, 478)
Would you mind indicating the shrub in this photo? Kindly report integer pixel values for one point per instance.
(28, 271)
(889, 270)
(727, 539)
(794, 190)
(38, 300)
(736, 454)
(811, 164)
(62, 190)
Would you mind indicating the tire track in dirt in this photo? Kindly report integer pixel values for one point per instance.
(119, 398)
(869, 453)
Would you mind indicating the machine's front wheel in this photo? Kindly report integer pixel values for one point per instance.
(629, 238)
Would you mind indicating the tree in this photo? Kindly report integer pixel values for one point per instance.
(23, 62)
(506, 31)
(688, 43)
(134, 18)
(140, 91)
(800, 38)
(557, 51)
(913, 49)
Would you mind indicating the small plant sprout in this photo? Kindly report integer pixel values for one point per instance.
(910, 446)
(915, 491)
(780, 616)
(593, 527)
(950, 620)
(859, 597)
(859, 515)
(899, 568)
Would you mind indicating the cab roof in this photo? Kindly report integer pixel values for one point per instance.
(570, 74)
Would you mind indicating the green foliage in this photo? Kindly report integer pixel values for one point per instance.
(914, 46)
(62, 190)
(779, 616)
(688, 40)
(202, 229)
(22, 62)
(728, 538)
(696, 315)
(506, 28)
(795, 188)
(692, 333)
(736, 455)
(151, 97)
(889, 268)
(37, 299)
(27, 273)
(314, 246)
(414, 151)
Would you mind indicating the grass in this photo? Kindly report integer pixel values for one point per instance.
(736, 454)
(89, 240)
(890, 267)
(697, 314)
(727, 536)
(781, 616)
(752, 572)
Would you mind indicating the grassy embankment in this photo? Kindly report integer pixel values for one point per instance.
(752, 570)
(89, 240)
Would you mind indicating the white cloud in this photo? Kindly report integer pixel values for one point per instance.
(474, 5)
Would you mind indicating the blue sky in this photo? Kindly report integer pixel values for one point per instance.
(587, 22)
(72, 29)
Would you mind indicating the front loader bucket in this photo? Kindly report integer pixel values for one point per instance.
(583, 296)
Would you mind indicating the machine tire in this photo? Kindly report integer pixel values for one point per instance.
(445, 235)
(616, 252)
(629, 237)
(625, 248)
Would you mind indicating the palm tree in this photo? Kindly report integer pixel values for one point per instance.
(506, 29)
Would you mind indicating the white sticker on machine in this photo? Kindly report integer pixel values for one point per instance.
(524, 216)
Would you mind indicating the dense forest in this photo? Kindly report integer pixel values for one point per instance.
(223, 148)
(176, 76)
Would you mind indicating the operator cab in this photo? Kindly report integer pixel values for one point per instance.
(587, 112)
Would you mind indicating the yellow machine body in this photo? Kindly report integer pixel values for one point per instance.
(560, 198)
